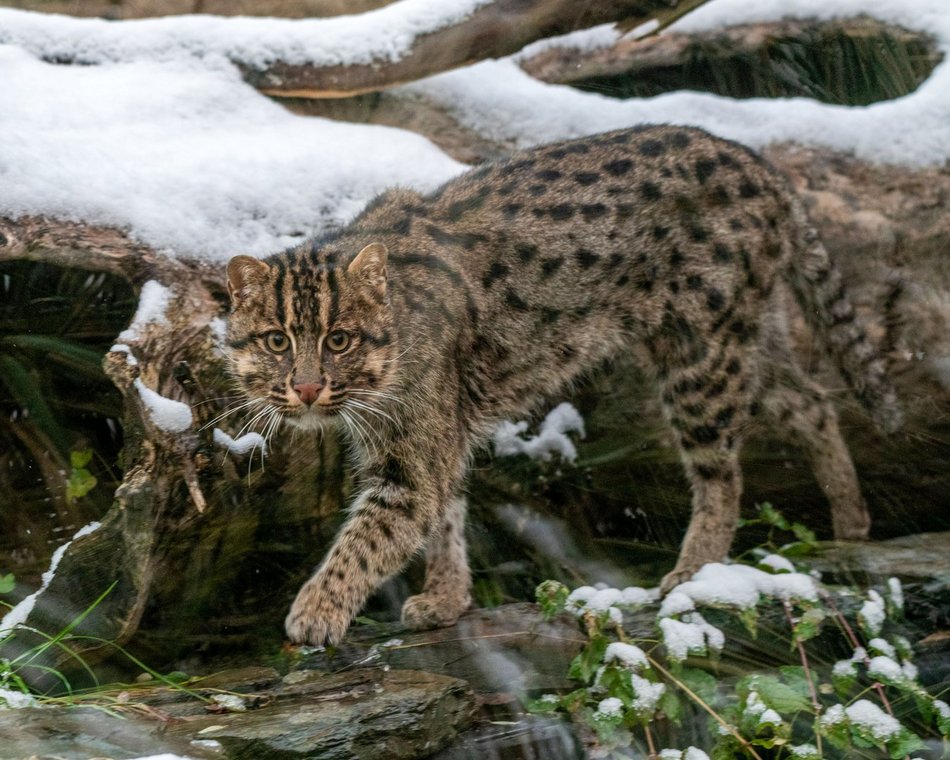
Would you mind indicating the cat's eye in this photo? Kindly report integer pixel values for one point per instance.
(338, 341)
(277, 341)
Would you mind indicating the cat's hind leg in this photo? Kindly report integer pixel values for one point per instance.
(801, 411)
(447, 590)
(708, 407)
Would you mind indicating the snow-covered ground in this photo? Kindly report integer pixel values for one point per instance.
(163, 138)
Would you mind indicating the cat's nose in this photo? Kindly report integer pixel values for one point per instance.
(308, 392)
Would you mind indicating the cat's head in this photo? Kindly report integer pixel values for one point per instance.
(311, 336)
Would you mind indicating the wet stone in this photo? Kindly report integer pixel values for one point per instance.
(363, 713)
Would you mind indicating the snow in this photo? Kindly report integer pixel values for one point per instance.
(896, 591)
(153, 303)
(871, 717)
(866, 715)
(883, 668)
(692, 635)
(777, 562)
(124, 348)
(675, 603)
(499, 99)
(14, 700)
(630, 655)
(872, 612)
(647, 694)
(882, 646)
(610, 707)
(633, 596)
(242, 445)
(690, 753)
(386, 34)
(231, 702)
(583, 40)
(508, 438)
(19, 613)
(844, 669)
(187, 156)
(167, 414)
(163, 137)
(757, 709)
(741, 586)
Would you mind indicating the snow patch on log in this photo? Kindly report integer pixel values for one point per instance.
(189, 158)
(241, 445)
(385, 34)
(153, 304)
(19, 613)
(167, 414)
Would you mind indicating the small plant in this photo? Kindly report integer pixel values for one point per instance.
(15, 692)
(805, 709)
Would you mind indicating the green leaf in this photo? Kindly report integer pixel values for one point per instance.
(809, 625)
(797, 680)
(803, 534)
(80, 457)
(749, 617)
(671, 706)
(774, 693)
(604, 725)
(551, 596)
(772, 516)
(573, 700)
(591, 657)
(701, 683)
(797, 549)
(547, 703)
(904, 743)
(7, 583)
(79, 484)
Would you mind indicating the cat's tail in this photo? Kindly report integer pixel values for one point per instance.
(821, 292)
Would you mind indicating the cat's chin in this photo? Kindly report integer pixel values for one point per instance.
(310, 420)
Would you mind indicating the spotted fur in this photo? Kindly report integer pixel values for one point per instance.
(485, 299)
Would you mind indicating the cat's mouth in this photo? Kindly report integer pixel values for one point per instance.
(311, 417)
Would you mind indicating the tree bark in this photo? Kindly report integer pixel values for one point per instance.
(498, 29)
(633, 57)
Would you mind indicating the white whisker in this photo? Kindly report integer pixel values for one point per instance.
(378, 394)
(232, 410)
(371, 409)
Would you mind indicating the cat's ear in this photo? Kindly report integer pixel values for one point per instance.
(243, 271)
(370, 266)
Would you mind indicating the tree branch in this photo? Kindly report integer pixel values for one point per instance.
(500, 28)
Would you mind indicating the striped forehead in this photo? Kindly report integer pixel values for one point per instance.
(306, 290)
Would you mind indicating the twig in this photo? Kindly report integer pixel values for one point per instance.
(699, 701)
(856, 644)
(816, 705)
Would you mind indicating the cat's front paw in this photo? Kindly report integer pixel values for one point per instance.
(316, 619)
(425, 611)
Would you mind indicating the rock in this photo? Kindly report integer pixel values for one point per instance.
(253, 712)
(508, 649)
(364, 713)
(67, 733)
(920, 558)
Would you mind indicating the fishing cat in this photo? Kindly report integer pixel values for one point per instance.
(430, 318)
